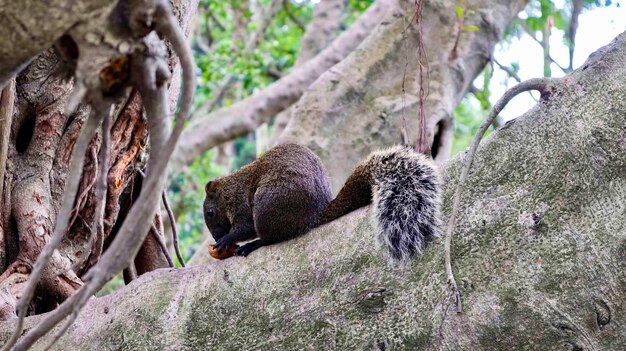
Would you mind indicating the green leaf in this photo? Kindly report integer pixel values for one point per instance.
(459, 11)
(560, 22)
(472, 28)
(535, 23)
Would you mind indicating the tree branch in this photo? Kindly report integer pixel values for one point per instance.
(292, 17)
(244, 116)
(319, 34)
(32, 26)
(577, 7)
(508, 70)
(263, 19)
(547, 55)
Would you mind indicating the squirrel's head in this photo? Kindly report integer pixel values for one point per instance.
(214, 211)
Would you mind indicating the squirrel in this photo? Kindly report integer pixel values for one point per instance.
(286, 193)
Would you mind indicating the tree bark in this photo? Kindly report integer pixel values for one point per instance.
(376, 87)
(539, 253)
(7, 100)
(30, 27)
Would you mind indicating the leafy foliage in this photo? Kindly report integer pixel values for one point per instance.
(220, 47)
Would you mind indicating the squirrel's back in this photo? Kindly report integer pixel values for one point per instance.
(282, 193)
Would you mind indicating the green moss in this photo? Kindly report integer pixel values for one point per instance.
(134, 337)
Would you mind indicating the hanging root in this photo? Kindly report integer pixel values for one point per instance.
(159, 239)
(149, 79)
(130, 273)
(170, 215)
(168, 26)
(97, 226)
(68, 323)
(76, 96)
(71, 186)
(540, 84)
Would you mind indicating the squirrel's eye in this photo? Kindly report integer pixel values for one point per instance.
(210, 212)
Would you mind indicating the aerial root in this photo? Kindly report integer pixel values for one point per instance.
(540, 84)
(71, 186)
(170, 215)
(150, 83)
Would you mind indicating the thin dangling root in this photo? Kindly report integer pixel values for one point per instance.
(539, 84)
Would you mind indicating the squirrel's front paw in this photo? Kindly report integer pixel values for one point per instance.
(223, 243)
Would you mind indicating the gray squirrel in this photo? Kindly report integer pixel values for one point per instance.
(286, 192)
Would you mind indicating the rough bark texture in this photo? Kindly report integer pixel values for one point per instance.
(324, 26)
(41, 141)
(7, 100)
(539, 253)
(358, 106)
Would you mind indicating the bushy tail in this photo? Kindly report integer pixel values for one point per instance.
(404, 187)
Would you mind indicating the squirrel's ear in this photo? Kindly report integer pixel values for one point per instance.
(210, 188)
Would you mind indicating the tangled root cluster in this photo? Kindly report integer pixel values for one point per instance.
(123, 52)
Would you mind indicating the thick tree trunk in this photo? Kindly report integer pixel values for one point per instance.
(377, 86)
(323, 28)
(539, 253)
(41, 141)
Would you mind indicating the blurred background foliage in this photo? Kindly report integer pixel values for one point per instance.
(228, 71)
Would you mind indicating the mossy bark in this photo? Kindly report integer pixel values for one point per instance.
(539, 253)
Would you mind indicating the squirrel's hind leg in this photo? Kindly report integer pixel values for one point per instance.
(285, 211)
